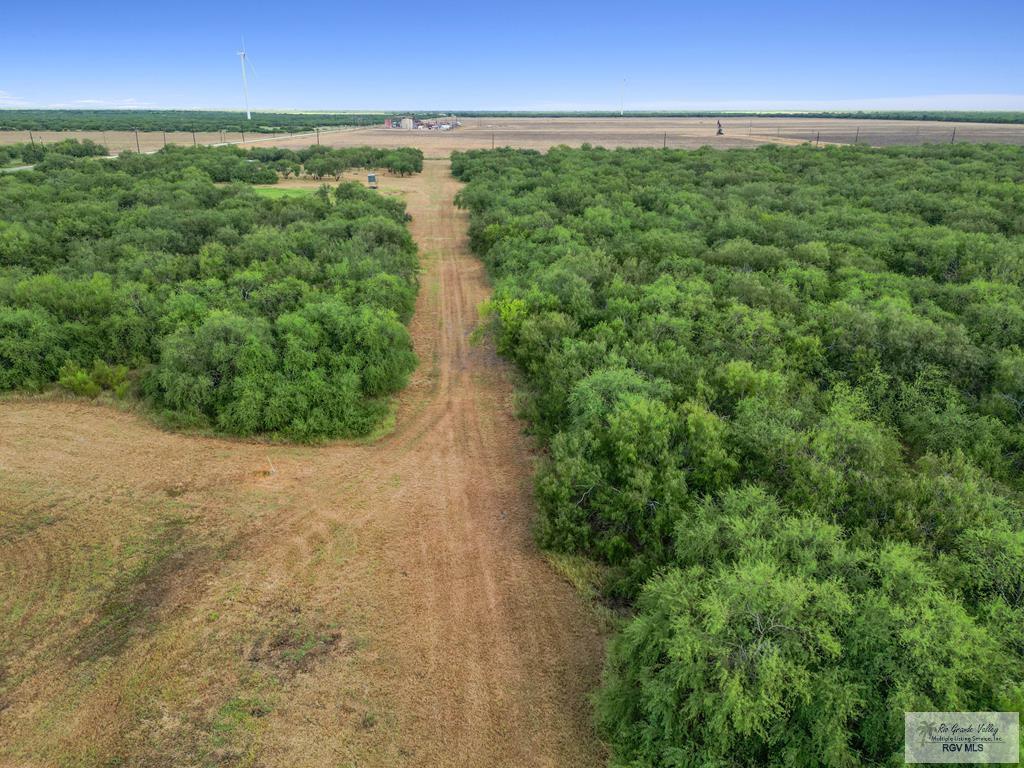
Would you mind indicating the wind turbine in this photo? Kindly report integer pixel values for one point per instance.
(243, 59)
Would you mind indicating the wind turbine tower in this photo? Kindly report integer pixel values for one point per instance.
(243, 59)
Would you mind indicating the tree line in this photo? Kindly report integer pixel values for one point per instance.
(990, 116)
(219, 308)
(319, 161)
(176, 120)
(780, 392)
(29, 153)
(260, 165)
(264, 165)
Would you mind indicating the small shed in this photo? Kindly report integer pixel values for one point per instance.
(371, 180)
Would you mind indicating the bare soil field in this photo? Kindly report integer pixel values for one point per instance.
(543, 133)
(168, 599)
(685, 133)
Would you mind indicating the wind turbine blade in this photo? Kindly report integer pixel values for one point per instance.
(249, 62)
(245, 84)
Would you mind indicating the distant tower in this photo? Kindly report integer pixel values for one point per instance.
(243, 59)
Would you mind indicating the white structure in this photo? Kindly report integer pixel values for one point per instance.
(244, 60)
(407, 123)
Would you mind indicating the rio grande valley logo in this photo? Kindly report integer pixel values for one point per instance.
(961, 737)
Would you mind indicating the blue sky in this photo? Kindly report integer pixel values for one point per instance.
(517, 55)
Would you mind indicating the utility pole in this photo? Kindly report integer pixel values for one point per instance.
(165, 138)
(243, 133)
(664, 141)
(817, 139)
(137, 147)
(857, 137)
(317, 136)
(194, 142)
(31, 138)
(953, 140)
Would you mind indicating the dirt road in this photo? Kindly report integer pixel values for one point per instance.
(176, 600)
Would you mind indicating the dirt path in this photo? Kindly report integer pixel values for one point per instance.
(370, 605)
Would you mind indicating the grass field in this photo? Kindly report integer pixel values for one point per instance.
(277, 192)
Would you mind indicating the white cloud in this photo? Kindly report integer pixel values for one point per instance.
(103, 104)
(966, 102)
(10, 100)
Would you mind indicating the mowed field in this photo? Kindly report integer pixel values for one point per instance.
(168, 599)
(543, 133)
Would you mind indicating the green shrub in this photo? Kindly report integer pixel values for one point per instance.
(110, 377)
(101, 377)
(78, 381)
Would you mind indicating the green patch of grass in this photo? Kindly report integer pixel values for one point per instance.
(237, 721)
(236, 713)
(278, 192)
(306, 649)
(588, 578)
(487, 326)
(384, 427)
